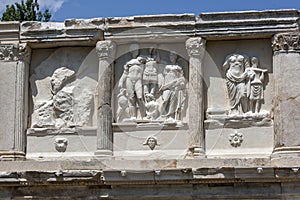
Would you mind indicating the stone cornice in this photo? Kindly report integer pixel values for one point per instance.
(286, 42)
(152, 28)
(246, 24)
(70, 32)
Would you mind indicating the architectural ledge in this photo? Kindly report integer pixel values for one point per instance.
(70, 32)
(149, 177)
(248, 24)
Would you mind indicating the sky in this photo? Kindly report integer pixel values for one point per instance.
(85, 9)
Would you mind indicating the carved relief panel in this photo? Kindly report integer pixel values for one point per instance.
(62, 88)
(152, 86)
(239, 82)
(245, 84)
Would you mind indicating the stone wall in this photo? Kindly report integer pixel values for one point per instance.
(144, 107)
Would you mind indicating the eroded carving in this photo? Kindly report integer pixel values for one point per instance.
(245, 82)
(105, 49)
(151, 141)
(9, 52)
(58, 107)
(61, 144)
(173, 91)
(151, 89)
(236, 139)
(286, 42)
(193, 46)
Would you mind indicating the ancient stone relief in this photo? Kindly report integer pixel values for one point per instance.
(286, 42)
(9, 52)
(151, 89)
(152, 142)
(245, 85)
(61, 144)
(59, 99)
(236, 139)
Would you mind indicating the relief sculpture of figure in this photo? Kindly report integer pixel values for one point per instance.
(151, 92)
(150, 75)
(131, 80)
(237, 71)
(173, 91)
(152, 107)
(256, 86)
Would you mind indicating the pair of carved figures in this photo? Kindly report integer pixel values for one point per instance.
(245, 82)
(149, 94)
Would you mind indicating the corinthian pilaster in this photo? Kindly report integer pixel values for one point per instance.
(286, 42)
(106, 52)
(14, 62)
(196, 49)
(286, 61)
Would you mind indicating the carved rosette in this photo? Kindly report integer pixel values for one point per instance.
(286, 42)
(236, 139)
(195, 46)
(106, 49)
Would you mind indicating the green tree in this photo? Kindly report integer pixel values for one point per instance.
(28, 11)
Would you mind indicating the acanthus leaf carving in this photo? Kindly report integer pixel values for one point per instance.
(9, 52)
(195, 46)
(106, 49)
(286, 42)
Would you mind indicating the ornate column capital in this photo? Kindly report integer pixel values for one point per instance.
(24, 52)
(195, 46)
(14, 52)
(284, 42)
(106, 49)
(9, 52)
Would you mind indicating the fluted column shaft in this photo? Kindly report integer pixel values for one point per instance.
(106, 52)
(196, 49)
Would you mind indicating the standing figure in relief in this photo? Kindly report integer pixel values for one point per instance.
(237, 75)
(131, 81)
(150, 75)
(173, 91)
(122, 112)
(256, 86)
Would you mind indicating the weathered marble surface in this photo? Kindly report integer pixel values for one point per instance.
(102, 108)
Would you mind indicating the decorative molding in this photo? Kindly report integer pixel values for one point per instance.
(61, 144)
(286, 42)
(195, 46)
(14, 52)
(9, 52)
(106, 49)
(236, 139)
(24, 52)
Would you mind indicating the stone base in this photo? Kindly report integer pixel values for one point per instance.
(104, 153)
(286, 156)
(12, 155)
